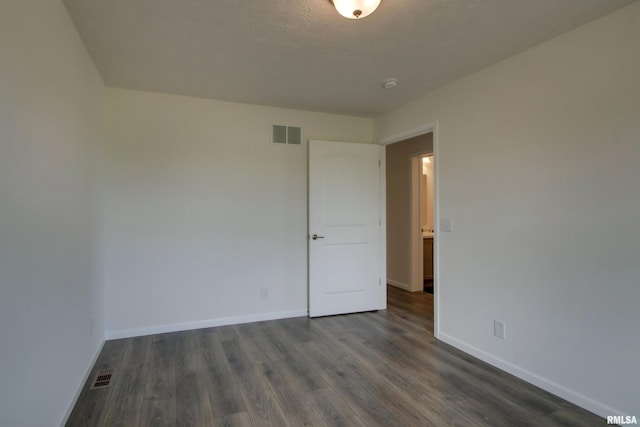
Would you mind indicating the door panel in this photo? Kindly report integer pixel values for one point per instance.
(345, 265)
(345, 211)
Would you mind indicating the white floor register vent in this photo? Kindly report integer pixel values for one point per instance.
(102, 379)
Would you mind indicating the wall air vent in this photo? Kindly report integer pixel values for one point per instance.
(286, 135)
(279, 134)
(293, 135)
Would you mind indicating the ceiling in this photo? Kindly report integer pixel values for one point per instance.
(302, 54)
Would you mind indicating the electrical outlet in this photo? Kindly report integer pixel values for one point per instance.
(264, 294)
(499, 329)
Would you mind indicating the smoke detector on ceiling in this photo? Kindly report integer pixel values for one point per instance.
(390, 83)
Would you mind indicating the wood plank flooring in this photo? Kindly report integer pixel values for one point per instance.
(370, 369)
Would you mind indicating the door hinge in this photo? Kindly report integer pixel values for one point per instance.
(379, 163)
(379, 282)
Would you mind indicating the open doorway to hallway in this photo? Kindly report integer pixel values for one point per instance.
(426, 208)
(407, 220)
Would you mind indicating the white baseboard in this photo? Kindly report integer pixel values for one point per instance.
(400, 285)
(92, 363)
(221, 321)
(528, 376)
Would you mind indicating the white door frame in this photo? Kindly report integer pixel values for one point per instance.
(401, 136)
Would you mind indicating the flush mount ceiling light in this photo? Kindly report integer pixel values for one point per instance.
(355, 9)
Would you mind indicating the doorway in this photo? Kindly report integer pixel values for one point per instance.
(404, 225)
(405, 238)
(426, 213)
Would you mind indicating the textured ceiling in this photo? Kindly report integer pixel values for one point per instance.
(302, 54)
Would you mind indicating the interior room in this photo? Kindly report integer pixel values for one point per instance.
(154, 194)
(427, 227)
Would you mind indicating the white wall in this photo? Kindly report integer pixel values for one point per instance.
(202, 211)
(51, 106)
(539, 167)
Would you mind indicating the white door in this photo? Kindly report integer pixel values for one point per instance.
(346, 242)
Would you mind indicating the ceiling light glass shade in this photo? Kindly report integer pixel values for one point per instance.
(354, 9)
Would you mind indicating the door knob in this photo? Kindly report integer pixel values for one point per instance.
(316, 237)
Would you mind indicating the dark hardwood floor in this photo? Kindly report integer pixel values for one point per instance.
(369, 369)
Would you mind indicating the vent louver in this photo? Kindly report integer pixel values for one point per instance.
(279, 134)
(286, 135)
(102, 379)
(293, 135)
